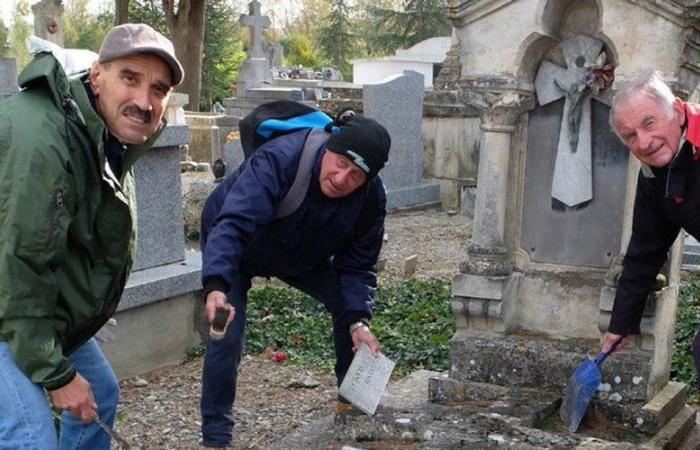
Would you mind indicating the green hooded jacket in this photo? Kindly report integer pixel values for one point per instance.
(67, 225)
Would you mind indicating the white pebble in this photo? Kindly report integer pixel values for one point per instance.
(403, 421)
(472, 362)
(604, 387)
(615, 397)
(407, 436)
(497, 437)
(618, 380)
(637, 380)
(640, 421)
(428, 435)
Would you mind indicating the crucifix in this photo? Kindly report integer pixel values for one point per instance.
(256, 22)
(572, 183)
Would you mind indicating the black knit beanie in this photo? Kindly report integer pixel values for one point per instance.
(363, 141)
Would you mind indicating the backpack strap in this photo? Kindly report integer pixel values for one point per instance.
(291, 202)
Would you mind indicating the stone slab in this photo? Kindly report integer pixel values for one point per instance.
(397, 103)
(674, 432)
(173, 136)
(546, 364)
(233, 155)
(275, 93)
(410, 392)
(585, 235)
(422, 195)
(154, 335)
(477, 286)
(666, 404)
(161, 237)
(157, 283)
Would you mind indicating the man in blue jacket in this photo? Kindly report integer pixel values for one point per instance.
(327, 247)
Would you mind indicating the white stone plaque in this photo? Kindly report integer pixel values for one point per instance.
(366, 379)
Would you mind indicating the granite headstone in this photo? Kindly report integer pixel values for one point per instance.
(397, 103)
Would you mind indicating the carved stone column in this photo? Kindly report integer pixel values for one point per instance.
(486, 279)
(499, 114)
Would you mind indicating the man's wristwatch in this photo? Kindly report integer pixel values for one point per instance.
(356, 325)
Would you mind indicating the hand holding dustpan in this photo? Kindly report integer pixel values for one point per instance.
(581, 387)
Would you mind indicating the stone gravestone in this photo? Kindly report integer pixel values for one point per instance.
(48, 20)
(8, 77)
(255, 70)
(208, 133)
(254, 84)
(158, 316)
(397, 103)
(233, 155)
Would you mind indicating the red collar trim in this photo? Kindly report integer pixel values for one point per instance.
(692, 118)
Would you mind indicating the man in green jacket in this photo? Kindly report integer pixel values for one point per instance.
(67, 230)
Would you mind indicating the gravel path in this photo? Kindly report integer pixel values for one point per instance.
(161, 409)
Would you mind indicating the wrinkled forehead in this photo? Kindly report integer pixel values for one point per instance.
(145, 64)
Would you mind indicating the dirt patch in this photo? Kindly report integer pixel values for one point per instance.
(164, 414)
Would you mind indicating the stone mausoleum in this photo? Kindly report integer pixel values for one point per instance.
(554, 203)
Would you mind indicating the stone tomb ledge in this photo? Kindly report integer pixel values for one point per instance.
(496, 417)
(158, 317)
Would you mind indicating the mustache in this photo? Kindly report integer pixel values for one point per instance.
(142, 114)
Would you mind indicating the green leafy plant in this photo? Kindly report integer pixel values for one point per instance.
(412, 320)
(682, 365)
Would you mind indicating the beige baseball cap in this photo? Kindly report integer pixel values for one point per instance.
(132, 38)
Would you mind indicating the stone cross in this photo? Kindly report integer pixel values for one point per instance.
(572, 183)
(256, 23)
(48, 22)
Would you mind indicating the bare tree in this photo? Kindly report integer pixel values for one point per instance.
(122, 12)
(187, 33)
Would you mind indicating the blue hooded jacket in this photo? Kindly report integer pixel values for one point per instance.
(239, 232)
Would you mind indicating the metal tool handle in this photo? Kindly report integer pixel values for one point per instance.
(121, 442)
(217, 329)
(602, 355)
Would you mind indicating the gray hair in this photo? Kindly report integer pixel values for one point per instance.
(650, 85)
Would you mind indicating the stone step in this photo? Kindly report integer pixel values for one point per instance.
(674, 432)
(666, 404)
(692, 440)
(691, 252)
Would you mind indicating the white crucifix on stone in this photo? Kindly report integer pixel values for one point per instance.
(256, 22)
(572, 183)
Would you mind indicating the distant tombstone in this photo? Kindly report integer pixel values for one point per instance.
(275, 54)
(331, 74)
(255, 70)
(8, 77)
(233, 155)
(397, 103)
(48, 22)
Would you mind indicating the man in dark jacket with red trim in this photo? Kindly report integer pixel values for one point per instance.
(663, 132)
(328, 248)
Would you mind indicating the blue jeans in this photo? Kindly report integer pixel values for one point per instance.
(26, 421)
(222, 357)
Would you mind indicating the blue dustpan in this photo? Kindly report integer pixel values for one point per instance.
(580, 388)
